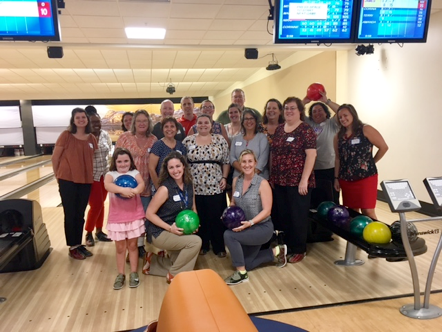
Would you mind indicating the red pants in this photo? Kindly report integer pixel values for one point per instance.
(95, 216)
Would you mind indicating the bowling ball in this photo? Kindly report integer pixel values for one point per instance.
(395, 229)
(232, 217)
(126, 181)
(323, 209)
(313, 91)
(188, 220)
(358, 224)
(377, 232)
(339, 216)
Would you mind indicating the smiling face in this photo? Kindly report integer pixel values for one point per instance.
(234, 115)
(95, 124)
(248, 164)
(249, 122)
(141, 124)
(238, 98)
(167, 109)
(291, 112)
(272, 111)
(169, 129)
(127, 121)
(81, 120)
(187, 107)
(175, 169)
(207, 108)
(318, 114)
(345, 117)
(122, 163)
(203, 125)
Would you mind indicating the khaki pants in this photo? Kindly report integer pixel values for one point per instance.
(183, 251)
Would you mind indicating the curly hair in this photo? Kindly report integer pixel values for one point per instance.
(324, 107)
(164, 172)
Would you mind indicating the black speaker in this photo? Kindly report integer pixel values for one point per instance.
(251, 53)
(55, 52)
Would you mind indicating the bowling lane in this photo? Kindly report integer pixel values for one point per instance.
(24, 178)
(47, 195)
(20, 163)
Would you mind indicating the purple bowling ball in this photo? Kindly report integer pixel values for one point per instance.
(339, 216)
(232, 217)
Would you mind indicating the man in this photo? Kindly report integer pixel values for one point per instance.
(238, 97)
(189, 118)
(167, 109)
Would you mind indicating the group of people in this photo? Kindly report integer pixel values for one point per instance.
(268, 164)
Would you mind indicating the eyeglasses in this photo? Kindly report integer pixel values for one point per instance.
(207, 107)
(293, 108)
(249, 119)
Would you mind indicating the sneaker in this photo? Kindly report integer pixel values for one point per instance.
(296, 258)
(134, 281)
(141, 252)
(76, 254)
(237, 278)
(146, 265)
(169, 278)
(281, 258)
(222, 254)
(90, 240)
(100, 236)
(84, 251)
(119, 281)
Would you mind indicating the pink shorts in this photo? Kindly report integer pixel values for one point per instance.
(125, 230)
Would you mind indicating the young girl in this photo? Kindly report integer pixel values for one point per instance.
(126, 215)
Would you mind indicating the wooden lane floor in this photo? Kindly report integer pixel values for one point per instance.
(21, 162)
(68, 295)
(24, 178)
(47, 195)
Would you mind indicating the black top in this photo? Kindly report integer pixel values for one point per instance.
(158, 132)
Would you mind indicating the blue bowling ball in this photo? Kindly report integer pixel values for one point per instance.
(126, 181)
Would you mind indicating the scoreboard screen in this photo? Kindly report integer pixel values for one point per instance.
(29, 20)
(314, 21)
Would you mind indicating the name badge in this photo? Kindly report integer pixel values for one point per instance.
(176, 198)
(192, 147)
(148, 150)
(178, 132)
(355, 141)
(236, 194)
(238, 143)
(91, 145)
(290, 139)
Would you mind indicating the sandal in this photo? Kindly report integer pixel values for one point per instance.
(146, 263)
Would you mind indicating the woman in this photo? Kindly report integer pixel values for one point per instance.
(174, 195)
(95, 216)
(325, 127)
(253, 140)
(355, 167)
(208, 156)
(126, 121)
(139, 141)
(234, 127)
(253, 194)
(208, 108)
(293, 156)
(72, 161)
(163, 147)
(272, 118)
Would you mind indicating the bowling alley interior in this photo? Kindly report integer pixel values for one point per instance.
(343, 284)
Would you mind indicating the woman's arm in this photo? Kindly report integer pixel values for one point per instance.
(224, 134)
(377, 140)
(233, 158)
(263, 157)
(337, 164)
(232, 201)
(307, 171)
(153, 163)
(141, 185)
(56, 156)
(157, 201)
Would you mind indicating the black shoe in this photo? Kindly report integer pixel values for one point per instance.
(102, 237)
(84, 251)
(141, 252)
(90, 240)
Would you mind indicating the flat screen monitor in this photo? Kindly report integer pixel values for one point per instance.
(392, 21)
(400, 196)
(30, 20)
(313, 21)
(434, 188)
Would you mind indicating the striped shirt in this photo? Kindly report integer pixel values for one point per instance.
(101, 155)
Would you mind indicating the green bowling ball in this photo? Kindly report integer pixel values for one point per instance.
(323, 209)
(358, 224)
(188, 221)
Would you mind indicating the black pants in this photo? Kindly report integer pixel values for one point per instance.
(292, 211)
(74, 197)
(210, 208)
(319, 194)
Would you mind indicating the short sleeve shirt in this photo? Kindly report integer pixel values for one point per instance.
(161, 150)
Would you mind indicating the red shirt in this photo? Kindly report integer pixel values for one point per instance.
(187, 124)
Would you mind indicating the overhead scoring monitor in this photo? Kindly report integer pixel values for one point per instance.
(400, 196)
(434, 187)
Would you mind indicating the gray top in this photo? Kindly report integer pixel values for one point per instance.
(250, 201)
(259, 144)
(325, 133)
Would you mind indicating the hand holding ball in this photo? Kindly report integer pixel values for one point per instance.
(125, 181)
(188, 220)
(313, 91)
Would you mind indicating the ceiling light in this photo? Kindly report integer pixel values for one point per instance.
(145, 33)
(273, 65)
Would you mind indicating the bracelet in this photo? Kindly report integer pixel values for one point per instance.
(251, 223)
(224, 178)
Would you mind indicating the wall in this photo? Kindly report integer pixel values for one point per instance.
(398, 91)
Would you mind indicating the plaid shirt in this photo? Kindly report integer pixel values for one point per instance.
(101, 155)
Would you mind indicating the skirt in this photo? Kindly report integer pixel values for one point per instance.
(125, 230)
(361, 194)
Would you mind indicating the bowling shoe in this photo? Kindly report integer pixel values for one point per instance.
(296, 258)
(100, 236)
(90, 240)
(281, 258)
(76, 254)
(84, 251)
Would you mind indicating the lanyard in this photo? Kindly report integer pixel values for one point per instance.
(185, 197)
